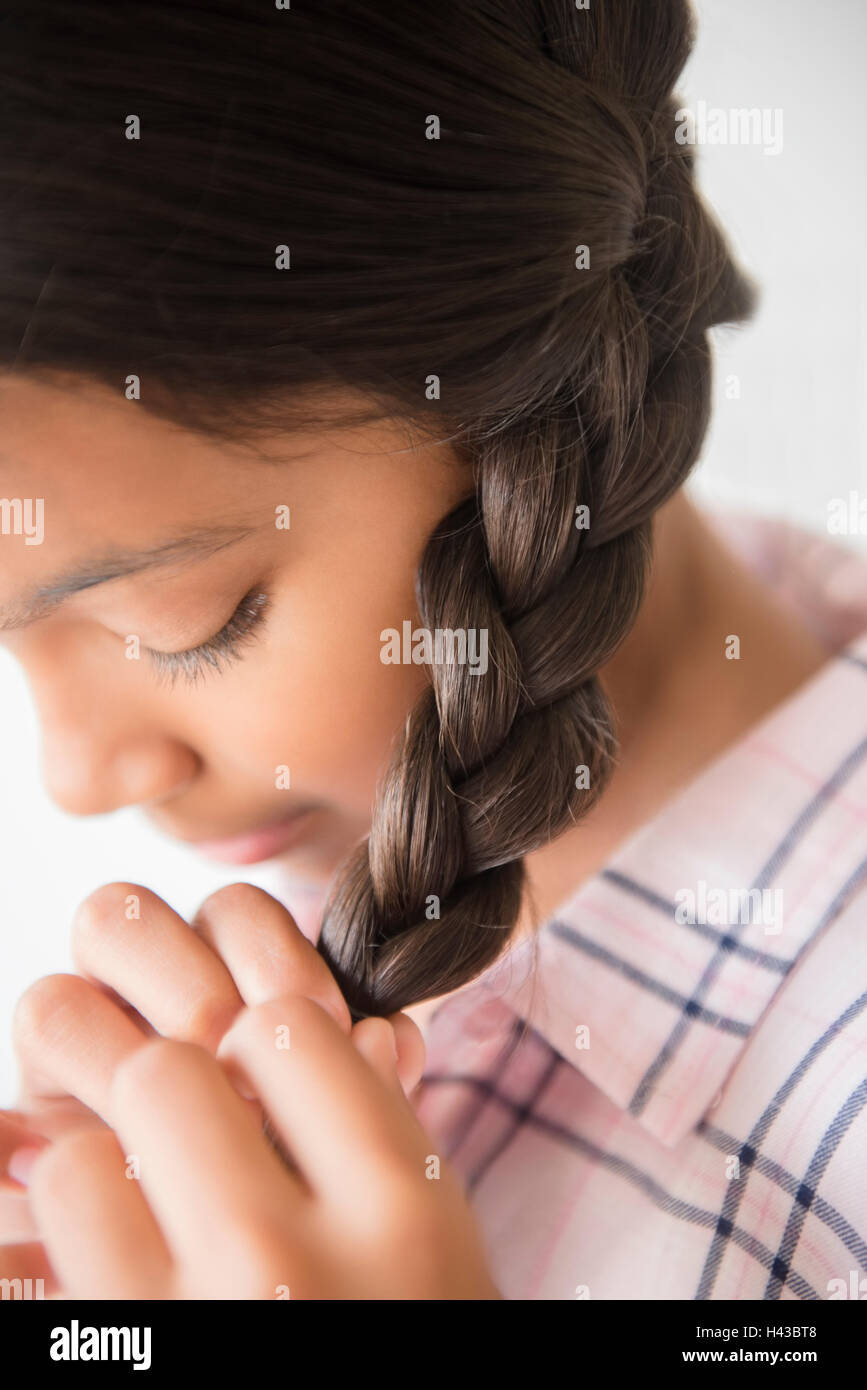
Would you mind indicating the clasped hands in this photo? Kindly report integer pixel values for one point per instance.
(146, 1079)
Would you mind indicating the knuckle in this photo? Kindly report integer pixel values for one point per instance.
(231, 899)
(102, 912)
(57, 1165)
(257, 1024)
(247, 1030)
(40, 1004)
(154, 1068)
(208, 1019)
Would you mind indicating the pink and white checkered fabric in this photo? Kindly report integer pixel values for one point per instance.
(673, 1103)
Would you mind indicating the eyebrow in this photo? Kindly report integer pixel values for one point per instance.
(192, 546)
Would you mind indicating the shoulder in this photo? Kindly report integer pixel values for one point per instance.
(820, 576)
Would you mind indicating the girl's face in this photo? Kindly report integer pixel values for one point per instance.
(154, 541)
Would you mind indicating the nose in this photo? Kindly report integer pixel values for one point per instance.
(87, 774)
(103, 743)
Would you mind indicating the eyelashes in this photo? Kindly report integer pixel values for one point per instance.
(219, 651)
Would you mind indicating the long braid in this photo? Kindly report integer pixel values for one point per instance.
(484, 772)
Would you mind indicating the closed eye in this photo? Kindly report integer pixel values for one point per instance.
(220, 650)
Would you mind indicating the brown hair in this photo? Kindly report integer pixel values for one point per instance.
(432, 171)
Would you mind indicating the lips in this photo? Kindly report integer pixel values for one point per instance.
(254, 846)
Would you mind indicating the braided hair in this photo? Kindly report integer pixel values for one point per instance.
(487, 195)
(484, 771)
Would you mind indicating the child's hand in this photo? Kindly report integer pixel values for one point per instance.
(144, 974)
(193, 1203)
(150, 972)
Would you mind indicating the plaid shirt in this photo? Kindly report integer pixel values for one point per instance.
(673, 1103)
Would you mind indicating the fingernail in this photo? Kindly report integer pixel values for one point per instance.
(20, 1163)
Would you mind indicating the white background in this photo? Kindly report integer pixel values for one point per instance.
(794, 440)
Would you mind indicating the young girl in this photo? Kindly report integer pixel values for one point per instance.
(353, 362)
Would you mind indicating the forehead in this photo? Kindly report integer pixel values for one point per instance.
(111, 475)
(85, 474)
(93, 455)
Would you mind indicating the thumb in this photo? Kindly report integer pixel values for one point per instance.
(394, 1047)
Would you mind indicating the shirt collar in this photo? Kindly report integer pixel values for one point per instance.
(654, 1009)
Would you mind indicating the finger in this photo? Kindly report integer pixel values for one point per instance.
(375, 1039)
(265, 951)
(268, 956)
(98, 1233)
(155, 962)
(15, 1133)
(28, 1261)
(16, 1218)
(208, 1174)
(398, 1035)
(50, 1117)
(411, 1052)
(350, 1135)
(69, 1038)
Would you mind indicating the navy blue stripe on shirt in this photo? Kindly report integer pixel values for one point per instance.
(476, 1113)
(769, 1168)
(737, 1026)
(817, 803)
(663, 1199)
(520, 1113)
(763, 959)
(748, 1151)
(806, 1193)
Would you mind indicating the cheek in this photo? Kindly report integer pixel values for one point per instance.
(342, 707)
(343, 726)
(315, 696)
